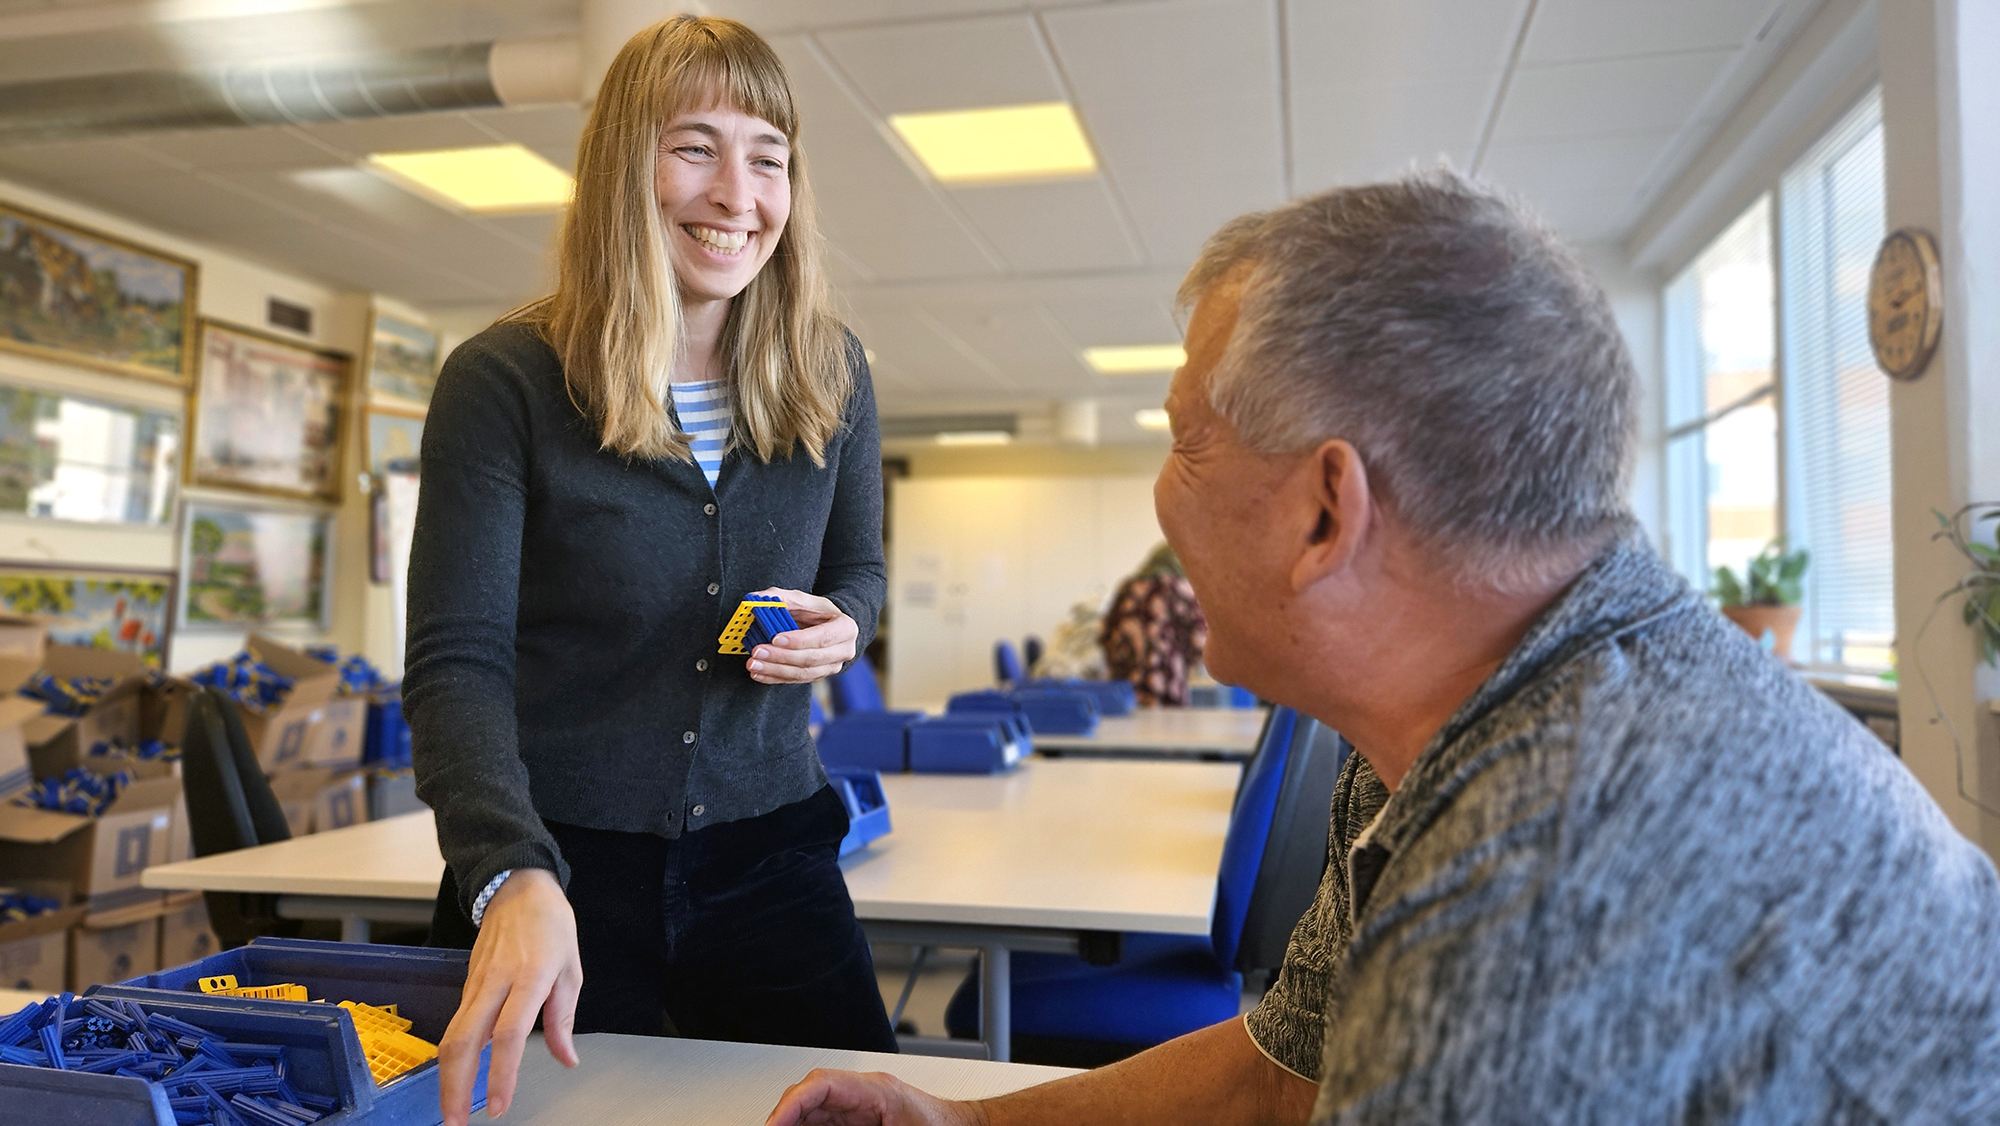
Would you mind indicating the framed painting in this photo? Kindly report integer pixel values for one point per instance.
(265, 415)
(69, 458)
(394, 440)
(75, 296)
(402, 362)
(245, 566)
(103, 607)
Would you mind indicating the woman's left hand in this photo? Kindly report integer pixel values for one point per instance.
(817, 650)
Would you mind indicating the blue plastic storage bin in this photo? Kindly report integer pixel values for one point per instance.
(1114, 697)
(868, 741)
(867, 806)
(968, 743)
(388, 741)
(1058, 711)
(424, 984)
(984, 700)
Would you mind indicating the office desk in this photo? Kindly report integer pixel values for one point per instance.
(1055, 856)
(649, 1081)
(1220, 734)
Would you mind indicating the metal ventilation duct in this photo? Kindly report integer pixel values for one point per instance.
(293, 92)
(931, 425)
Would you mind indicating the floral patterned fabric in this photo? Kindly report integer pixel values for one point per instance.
(1152, 633)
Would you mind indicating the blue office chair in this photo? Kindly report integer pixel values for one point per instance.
(1162, 986)
(1007, 663)
(1031, 651)
(854, 688)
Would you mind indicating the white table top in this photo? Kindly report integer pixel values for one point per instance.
(14, 1000)
(1059, 843)
(1167, 731)
(650, 1081)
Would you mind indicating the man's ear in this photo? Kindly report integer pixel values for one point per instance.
(1340, 506)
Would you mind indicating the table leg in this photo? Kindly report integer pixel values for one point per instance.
(996, 1001)
(353, 928)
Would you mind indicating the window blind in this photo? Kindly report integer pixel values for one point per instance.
(1835, 400)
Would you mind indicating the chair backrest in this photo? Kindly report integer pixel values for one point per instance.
(1007, 663)
(854, 689)
(230, 806)
(1031, 651)
(1249, 829)
(1295, 848)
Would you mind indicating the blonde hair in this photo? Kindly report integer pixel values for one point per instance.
(615, 317)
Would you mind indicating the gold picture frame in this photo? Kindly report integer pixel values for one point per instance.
(267, 415)
(402, 363)
(72, 295)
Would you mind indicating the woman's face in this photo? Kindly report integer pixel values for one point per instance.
(723, 180)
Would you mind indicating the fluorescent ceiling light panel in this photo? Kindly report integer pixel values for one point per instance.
(488, 180)
(974, 438)
(998, 144)
(1134, 359)
(1152, 418)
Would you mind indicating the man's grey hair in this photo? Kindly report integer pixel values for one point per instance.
(1461, 349)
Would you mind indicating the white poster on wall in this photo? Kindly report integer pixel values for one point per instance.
(400, 491)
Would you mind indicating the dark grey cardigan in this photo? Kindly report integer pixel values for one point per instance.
(565, 603)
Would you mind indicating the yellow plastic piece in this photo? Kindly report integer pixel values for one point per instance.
(285, 992)
(392, 1053)
(219, 984)
(368, 1019)
(739, 624)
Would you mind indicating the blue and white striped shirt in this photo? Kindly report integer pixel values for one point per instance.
(703, 410)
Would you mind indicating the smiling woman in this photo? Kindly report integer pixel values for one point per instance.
(638, 833)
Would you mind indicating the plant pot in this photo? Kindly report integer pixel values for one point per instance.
(1779, 621)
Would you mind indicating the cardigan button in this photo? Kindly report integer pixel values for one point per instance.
(699, 810)
(715, 588)
(687, 736)
(709, 509)
(701, 665)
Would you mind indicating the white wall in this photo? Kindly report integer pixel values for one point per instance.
(1635, 302)
(233, 289)
(975, 559)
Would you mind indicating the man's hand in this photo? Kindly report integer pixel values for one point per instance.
(846, 1098)
(524, 962)
(816, 651)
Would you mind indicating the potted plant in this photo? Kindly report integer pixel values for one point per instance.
(1765, 602)
(1980, 587)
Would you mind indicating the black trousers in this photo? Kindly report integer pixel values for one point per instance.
(717, 935)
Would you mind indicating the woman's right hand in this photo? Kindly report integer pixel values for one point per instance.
(524, 962)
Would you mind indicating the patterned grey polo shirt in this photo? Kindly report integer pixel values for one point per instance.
(1645, 874)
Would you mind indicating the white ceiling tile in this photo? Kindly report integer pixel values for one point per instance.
(1651, 94)
(914, 345)
(1349, 134)
(1611, 167)
(1182, 102)
(1022, 340)
(222, 149)
(400, 134)
(771, 17)
(946, 64)
(78, 160)
(1577, 30)
(1116, 318)
(1049, 228)
(1371, 42)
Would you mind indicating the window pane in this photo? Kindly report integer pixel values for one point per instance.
(1836, 402)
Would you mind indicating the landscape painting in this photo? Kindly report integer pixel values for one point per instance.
(254, 567)
(402, 362)
(394, 441)
(267, 415)
(69, 458)
(124, 610)
(75, 296)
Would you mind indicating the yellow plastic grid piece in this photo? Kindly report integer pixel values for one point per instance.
(218, 984)
(392, 1053)
(370, 1020)
(739, 624)
(285, 992)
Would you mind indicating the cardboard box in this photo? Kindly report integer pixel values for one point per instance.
(55, 745)
(163, 709)
(185, 935)
(101, 856)
(114, 718)
(282, 734)
(340, 734)
(392, 793)
(296, 791)
(23, 637)
(34, 953)
(343, 801)
(16, 712)
(114, 946)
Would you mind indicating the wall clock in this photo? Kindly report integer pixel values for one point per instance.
(1905, 303)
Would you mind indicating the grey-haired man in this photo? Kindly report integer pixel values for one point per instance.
(1599, 859)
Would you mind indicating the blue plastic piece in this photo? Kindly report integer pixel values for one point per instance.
(867, 806)
(767, 622)
(969, 743)
(854, 688)
(1058, 711)
(868, 741)
(423, 983)
(1007, 663)
(388, 735)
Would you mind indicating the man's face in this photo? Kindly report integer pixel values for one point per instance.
(1222, 508)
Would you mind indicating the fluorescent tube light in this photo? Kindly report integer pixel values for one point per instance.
(1152, 418)
(974, 438)
(1134, 359)
(999, 143)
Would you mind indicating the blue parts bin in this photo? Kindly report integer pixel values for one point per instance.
(755, 622)
(1114, 697)
(326, 1052)
(978, 742)
(1049, 711)
(386, 740)
(867, 806)
(868, 741)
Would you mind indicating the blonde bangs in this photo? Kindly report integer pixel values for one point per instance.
(615, 316)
